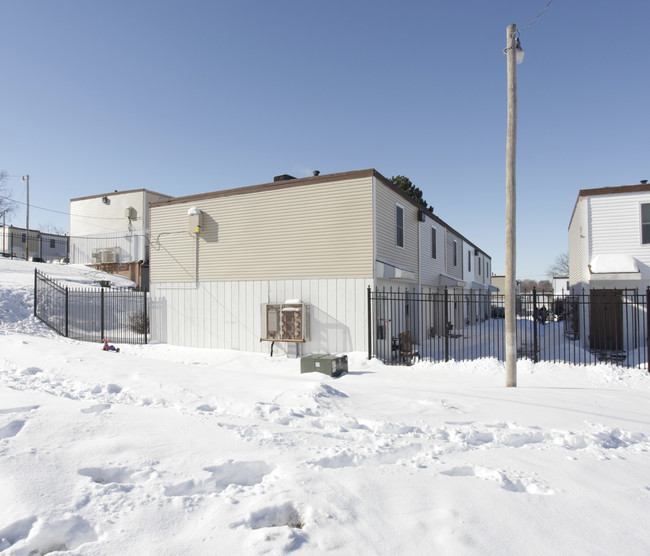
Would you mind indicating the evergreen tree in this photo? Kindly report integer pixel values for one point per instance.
(415, 193)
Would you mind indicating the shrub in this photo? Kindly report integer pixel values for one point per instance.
(139, 323)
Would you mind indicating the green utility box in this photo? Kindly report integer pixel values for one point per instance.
(332, 365)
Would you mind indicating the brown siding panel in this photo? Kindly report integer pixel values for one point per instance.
(314, 230)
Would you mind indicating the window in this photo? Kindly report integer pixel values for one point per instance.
(645, 223)
(455, 253)
(23, 237)
(400, 226)
(433, 243)
(469, 261)
(479, 266)
(52, 244)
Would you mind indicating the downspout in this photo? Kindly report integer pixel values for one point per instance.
(419, 255)
(373, 186)
(374, 230)
(196, 262)
(145, 209)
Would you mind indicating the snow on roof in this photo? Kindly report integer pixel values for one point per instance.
(611, 264)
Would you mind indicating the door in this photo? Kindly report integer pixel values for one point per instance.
(606, 320)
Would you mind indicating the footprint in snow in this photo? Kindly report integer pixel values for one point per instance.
(23, 409)
(12, 429)
(122, 476)
(63, 535)
(506, 481)
(283, 515)
(15, 532)
(240, 473)
(96, 408)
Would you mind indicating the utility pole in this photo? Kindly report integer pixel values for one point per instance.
(511, 209)
(26, 179)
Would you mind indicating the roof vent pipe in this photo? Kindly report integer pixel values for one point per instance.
(644, 181)
(316, 172)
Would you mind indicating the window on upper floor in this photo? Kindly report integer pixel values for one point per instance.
(23, 237)
(645, 223)
(399, 213)
(455, 253)
(479, 266)
(469, 261)
(433, 243)
(52, 244)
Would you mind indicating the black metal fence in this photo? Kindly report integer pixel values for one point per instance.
(596, 326)
(92, 315)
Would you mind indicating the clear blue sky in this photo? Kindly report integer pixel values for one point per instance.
(192, 96)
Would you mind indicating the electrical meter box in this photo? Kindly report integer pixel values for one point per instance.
(195, 220)
(332, 365)
(285, 322)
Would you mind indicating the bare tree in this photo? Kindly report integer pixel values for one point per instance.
(528, 285)
(50, 228)
(560, 266)
(6, 204)
(544, 286)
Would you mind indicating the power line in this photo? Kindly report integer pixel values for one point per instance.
(536, 18)
(61, 212)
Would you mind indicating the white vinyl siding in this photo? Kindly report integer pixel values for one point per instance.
(606, 225)
(101, 223)
(577, 267)
(91, 216)
(227, 315)
(615, 224)
(432, 248)
(306, 231)
(454, 257)
(386, 200)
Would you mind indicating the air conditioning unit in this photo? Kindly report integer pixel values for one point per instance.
(106, 255)
(109, 256)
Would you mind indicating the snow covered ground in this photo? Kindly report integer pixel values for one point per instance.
(170, 451)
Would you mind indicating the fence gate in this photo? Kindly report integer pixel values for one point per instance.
(454, 324)
(92, 315)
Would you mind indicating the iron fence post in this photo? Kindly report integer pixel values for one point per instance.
(446, 314)
(35, 289)
(146, 316)
(67, 312)
(101, 313)
(647, 331)
(369, 324)
(536, 313)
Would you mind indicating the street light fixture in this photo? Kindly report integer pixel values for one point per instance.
(25, 178)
